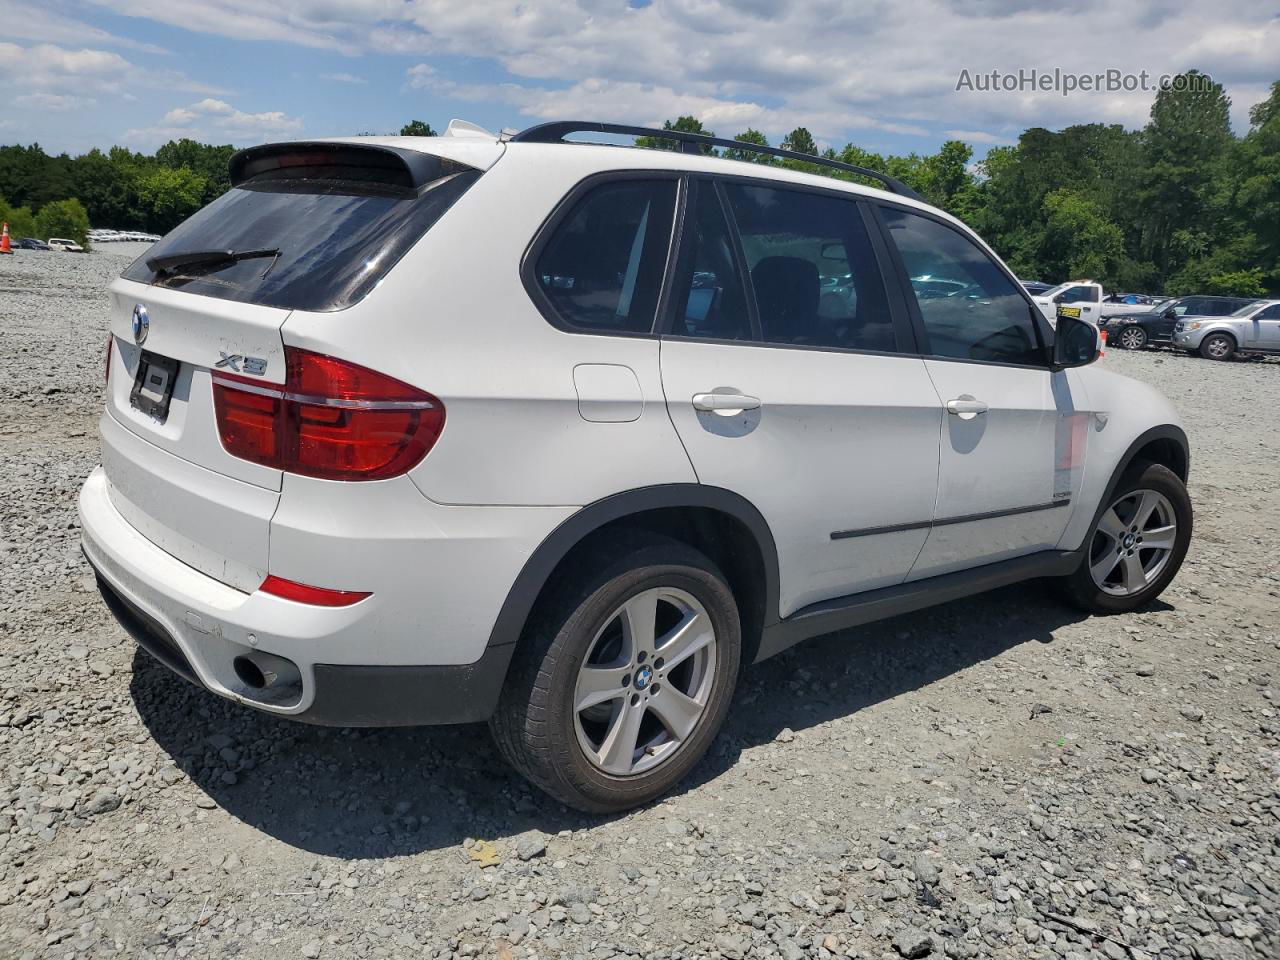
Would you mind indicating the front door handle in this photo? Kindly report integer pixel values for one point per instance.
(966, 407)
(724, 402)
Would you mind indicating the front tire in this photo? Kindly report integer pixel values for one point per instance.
(1133, 338)
(1218, 346)
(1137, 543)
(623, 677)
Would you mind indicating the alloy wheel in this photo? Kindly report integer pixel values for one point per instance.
(1133, 542)
(1217, 347)
(1133, 339)
(645, 682)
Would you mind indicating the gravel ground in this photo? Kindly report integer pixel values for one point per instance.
(999, 777)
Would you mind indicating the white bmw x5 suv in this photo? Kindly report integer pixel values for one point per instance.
(562, 435)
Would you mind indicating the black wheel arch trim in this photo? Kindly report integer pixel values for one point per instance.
(572, 531)
(1168, 432)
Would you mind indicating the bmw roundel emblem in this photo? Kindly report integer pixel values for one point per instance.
(141, 323)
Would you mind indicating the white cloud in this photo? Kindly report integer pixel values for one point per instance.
(836, 67)
(976, 136)
(343, 78)
(216, 120)
(46, 76)
(30, 21)
(56, 102)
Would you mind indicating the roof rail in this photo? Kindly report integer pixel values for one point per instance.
(557, 130)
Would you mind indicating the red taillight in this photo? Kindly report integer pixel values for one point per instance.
(331, 419)
(315, 596)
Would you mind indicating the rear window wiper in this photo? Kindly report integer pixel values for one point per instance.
(172, 262)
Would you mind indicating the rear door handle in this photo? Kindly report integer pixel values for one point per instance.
(966, 407)
(724, 402)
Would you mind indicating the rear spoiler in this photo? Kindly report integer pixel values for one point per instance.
(324, 160)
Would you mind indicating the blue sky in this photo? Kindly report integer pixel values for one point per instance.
(879, 74)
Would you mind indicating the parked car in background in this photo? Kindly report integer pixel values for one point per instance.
(1152, 327)
(65, 246)
(31, 243)
(1253, 329)
(1035, 287)
(1131, 299)
(1085, 294)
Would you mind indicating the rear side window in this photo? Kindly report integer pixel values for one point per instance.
(601, 270)
(322, 235)
(711, 301)
(812, 267)
(970, 308)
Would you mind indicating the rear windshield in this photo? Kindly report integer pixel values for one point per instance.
(336, 237)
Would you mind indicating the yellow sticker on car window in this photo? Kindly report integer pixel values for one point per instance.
(1069, 312)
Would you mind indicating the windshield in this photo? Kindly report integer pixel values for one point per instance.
(1054, 291)
(1247, 309)
(330, 240)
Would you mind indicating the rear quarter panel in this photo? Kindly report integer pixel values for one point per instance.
(453, 318)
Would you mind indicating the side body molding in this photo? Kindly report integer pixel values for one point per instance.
(836, 614)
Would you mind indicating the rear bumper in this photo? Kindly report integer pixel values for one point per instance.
(200, 627)
(353, 696)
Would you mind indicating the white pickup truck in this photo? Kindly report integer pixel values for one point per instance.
(1085, 294)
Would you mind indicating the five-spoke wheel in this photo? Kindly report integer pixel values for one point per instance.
(1134, 540)
(1137, 543)
(646, 681)
(624, 676)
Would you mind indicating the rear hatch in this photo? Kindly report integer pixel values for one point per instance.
(310, 226)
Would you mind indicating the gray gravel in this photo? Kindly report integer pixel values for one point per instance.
(999, 777)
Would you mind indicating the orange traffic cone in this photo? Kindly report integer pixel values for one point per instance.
(1102, 334)
(4, 240)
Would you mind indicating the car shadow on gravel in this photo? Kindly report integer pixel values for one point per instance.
(359, 793)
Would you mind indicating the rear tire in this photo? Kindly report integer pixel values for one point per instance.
(1137, 542)
(592, 712)
(1218, 346)
(1132, 338)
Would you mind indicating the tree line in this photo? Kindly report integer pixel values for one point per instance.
(1181, 205)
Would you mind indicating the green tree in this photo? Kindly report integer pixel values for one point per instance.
(417, 128)
(167, 197)
(750, 135)
(20, 219)
(65, 219)
(1184, 148)
(209, 161)
(1237, 283)
(800, 140)
(1078, 240)
(1257, 185)
(108, 190)
(684, 125)
(947, 181)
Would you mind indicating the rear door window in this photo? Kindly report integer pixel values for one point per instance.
(601, 269)
(324, 230)
(711, 298)
(813, 271)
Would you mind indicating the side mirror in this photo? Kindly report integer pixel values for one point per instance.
(1171, 314)
(1058, 298)
(1077, 343)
